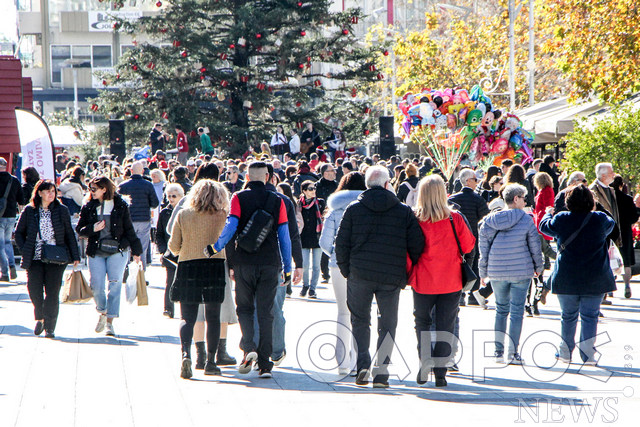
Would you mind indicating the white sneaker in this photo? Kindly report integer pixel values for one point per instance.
(481, 300)
(102, 321)
(110, 331)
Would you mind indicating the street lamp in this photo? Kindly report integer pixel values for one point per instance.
(73, 64)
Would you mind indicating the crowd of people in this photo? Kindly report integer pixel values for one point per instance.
(234, 234)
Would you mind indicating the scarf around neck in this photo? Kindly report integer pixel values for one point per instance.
(311, 204)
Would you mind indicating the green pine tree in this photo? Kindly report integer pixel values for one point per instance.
(241, 67)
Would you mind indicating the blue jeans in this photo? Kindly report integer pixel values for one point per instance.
(111, 267)
(588, 307)
(313, 256)
(7, 257)
(143, 231)
(279, 322)
(510, 299)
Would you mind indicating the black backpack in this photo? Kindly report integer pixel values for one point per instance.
(260, 224)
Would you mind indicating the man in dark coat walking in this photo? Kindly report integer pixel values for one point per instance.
(376, 234)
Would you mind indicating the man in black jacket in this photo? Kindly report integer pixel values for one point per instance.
(8, 220)
(375, 235)
(474, 208)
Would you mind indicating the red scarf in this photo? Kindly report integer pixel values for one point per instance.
(309, 204)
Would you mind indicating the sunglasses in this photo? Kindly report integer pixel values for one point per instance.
(94, 189)
(311, 189)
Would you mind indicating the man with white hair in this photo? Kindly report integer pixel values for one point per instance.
(474, 208)
(605, 194)
(143, 199)
(375, 235)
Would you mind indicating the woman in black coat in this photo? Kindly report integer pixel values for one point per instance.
(30, 178)
(106, 223)
(312, 210)
(173, 193)
(45, 222)
(628, 216)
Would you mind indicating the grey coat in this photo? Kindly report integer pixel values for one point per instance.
(509, 246)
(337, 203)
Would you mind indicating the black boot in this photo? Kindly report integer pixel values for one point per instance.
(185, 366)
(201, 355)
(223, 359)
(211, 368)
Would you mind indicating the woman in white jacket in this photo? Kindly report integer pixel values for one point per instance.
(72, 190)
(350, 187)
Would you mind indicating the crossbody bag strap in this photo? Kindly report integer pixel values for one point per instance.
(6, 190)
(571, 238)
(455, 234)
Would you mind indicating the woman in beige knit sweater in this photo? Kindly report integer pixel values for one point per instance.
(200, 280)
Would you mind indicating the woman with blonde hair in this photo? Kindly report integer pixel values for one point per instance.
(200, 279)
(436, 278)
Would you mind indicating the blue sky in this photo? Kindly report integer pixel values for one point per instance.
(8, 19)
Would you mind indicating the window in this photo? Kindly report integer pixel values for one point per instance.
(59, 54)
(101, 56)
(81, 53)
(125, 48)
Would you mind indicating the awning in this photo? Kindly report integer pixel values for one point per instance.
(64, 136)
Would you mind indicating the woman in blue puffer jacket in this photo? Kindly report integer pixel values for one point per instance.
(350, 187)
(510, 255)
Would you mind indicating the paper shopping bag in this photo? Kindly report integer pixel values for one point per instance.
(141, 285)
(76, 288)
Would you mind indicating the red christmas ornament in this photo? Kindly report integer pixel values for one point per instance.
(353, 92)
(104, 82)
(300, 125)
(232, 46)
(176, 43)
(223, 56)
(151, 66)
(146, 95)
(303, 33)
(94, 107)
(380, 76)
(244, 79)
(184, 54)
(136, 116)
(258, 36)
(345, 31)
(134, 67)
(385, 53)
(367, 110)
(203, 70)
(201, 77)
(117, 76)
(317, 83)
(224, 83)
(354, 19)
(261, 86)
(163, 30)
(366, 132)
(159, 4)
(164, 115)
(301, 66)
(309, 59)
(299, 3)
(193, 134)
(270, 88)
(298, 104)
(372, 67)
(116, 25)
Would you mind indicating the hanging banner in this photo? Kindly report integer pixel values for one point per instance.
(36, 143)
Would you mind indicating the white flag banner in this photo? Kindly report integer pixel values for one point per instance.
(35, 143)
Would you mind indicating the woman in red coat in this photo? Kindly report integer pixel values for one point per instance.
(545, 198)
(436, 278)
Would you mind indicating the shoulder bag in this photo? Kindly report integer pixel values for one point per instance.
(106, 244)
(3, 200)
(259, 226)
(52, 254)
(468, 276)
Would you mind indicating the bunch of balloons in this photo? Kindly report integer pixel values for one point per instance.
(467, 121)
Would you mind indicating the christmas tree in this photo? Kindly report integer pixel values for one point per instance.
(242, 67)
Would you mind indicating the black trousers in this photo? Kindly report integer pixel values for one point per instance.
(445, 321)
(44, 282)
(324, 266)
(256, 284)
(168, 304)
(359, 298)
(212, 318)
